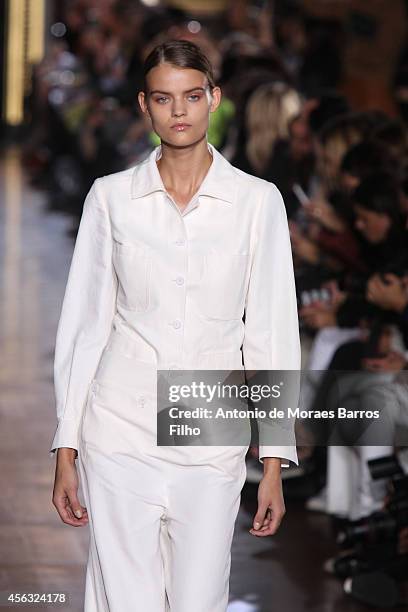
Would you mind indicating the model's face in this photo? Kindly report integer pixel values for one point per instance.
(178, 102)
(374, 226)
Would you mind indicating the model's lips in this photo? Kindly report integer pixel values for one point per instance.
(180, 127)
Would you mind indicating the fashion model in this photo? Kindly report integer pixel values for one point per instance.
(169, 255)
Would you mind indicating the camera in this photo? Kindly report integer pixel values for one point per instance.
(370, 545)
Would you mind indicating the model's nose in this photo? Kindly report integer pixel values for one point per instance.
(178, 109)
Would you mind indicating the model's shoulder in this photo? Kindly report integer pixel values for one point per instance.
(115, 178)
(258, 185)
(261, 195)
(111, 184)
(257, 188)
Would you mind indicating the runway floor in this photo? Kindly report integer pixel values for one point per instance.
(38, 552)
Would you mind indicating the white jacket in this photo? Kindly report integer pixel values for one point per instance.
(175, 284)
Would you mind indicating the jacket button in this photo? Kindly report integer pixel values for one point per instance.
(179, 280)
(176, 324)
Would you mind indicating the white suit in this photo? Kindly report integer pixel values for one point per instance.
(151, 288)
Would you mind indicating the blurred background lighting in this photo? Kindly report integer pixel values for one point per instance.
(194, 26)
(58, 29)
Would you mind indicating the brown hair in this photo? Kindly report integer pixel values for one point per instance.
(180, 53)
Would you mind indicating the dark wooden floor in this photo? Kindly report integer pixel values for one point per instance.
(38, 552)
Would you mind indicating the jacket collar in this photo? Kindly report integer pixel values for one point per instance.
(218, 183)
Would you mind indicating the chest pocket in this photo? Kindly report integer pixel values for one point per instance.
(224, 285)
(133, 264)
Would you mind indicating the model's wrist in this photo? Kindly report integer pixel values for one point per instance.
(272, 465)
(67, 454)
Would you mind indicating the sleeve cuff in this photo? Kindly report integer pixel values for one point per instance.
(287, 453)
(66, 436)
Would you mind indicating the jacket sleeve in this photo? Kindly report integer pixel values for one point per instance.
(86, 317)
(271, 337)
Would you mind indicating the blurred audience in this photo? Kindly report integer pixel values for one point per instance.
(314, 100)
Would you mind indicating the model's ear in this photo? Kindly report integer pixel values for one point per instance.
(215, 98)
(142, 102)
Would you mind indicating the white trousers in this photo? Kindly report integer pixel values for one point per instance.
(161, 519)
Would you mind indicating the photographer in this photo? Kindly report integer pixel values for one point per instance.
(374, 550)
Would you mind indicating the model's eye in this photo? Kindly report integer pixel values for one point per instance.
(194, 97)
(161, 100)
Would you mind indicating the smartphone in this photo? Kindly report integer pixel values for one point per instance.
(300, 194)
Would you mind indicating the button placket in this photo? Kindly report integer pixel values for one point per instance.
(178, 268)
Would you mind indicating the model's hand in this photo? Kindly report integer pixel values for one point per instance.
(271, 505)
(65, 494)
